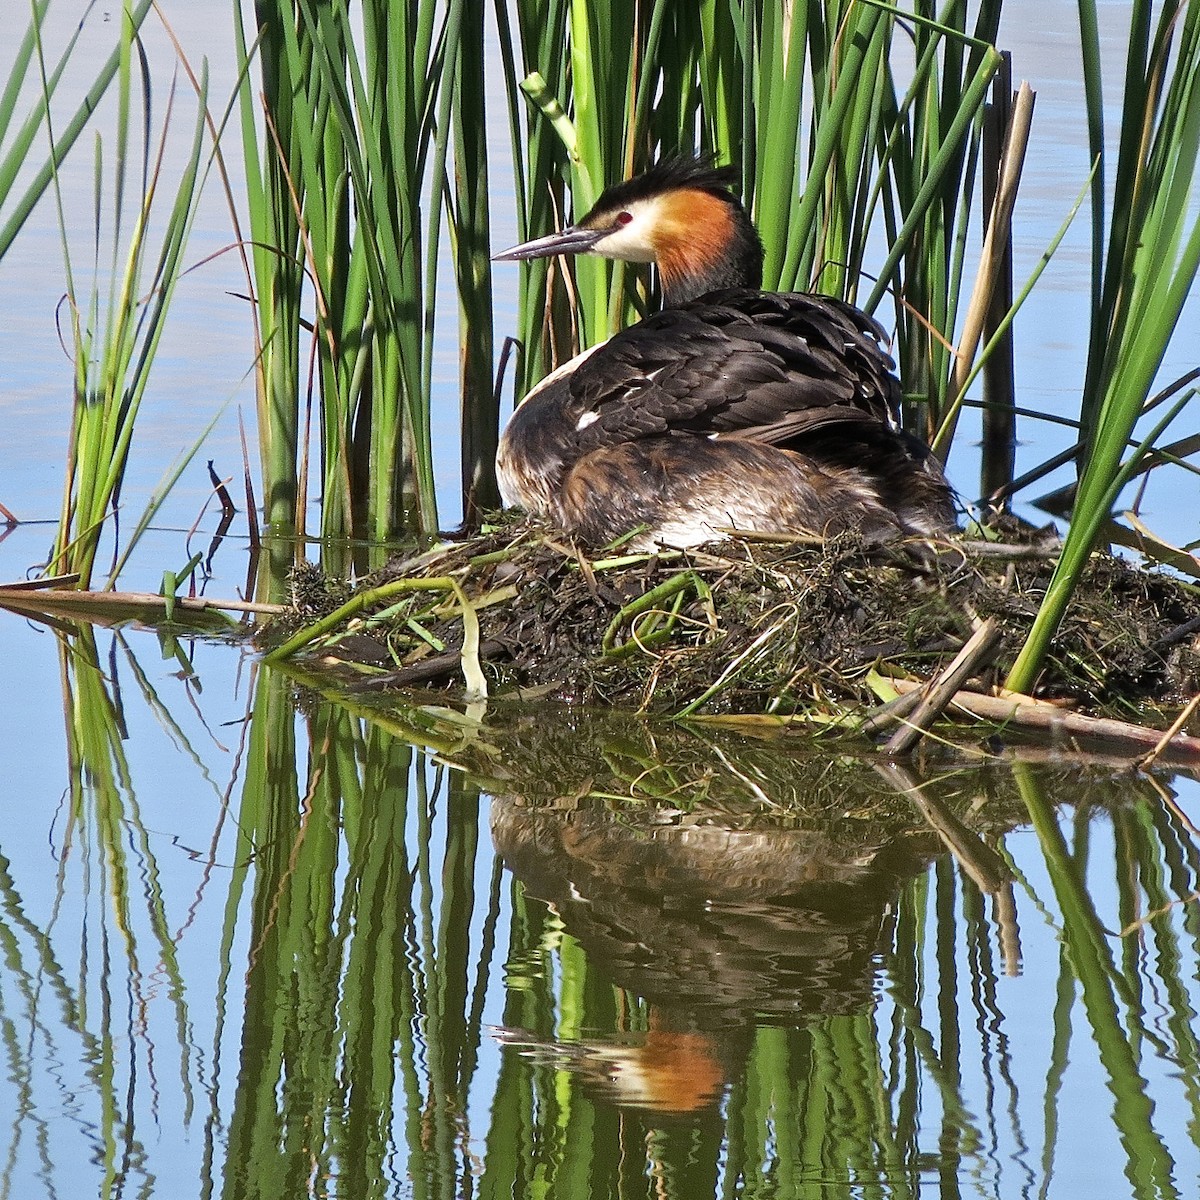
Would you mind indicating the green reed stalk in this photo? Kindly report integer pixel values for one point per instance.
(275, 240)
(480, 425)
(591, 123)
(350, 149)
(1151, 263)
(539, 169)
(931, 195)
(115, 336)
(18, 152)
(801, 95)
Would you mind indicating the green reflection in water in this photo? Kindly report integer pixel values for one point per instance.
(718, 965)
(362, 1009)
(1111, 1005)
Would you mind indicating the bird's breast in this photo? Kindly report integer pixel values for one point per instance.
(541, 439)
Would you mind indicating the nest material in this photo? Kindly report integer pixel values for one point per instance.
(753, 627)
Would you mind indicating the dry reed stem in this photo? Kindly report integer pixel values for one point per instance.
(1176, 725)
(110, 605)
(999, 224)
(979, 648)
(1028, 713)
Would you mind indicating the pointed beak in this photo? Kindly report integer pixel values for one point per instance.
(572, 240)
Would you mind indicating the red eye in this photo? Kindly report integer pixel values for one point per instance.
(623, 218)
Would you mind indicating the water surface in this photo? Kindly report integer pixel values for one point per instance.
(263, 941)
(311, 958)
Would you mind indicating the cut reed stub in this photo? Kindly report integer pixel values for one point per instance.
(979, 650)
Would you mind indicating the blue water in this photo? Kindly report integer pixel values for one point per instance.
(136, 929)
(135, 919)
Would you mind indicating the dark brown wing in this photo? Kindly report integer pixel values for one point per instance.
(766, 366)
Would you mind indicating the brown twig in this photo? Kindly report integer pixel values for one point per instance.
(1007, 550)
(991, 256)
(228, 508)
(998, 416)
(886, 715)
(83, 604)
(1163, 742)
(979, 649)
(50, 581)
(248, 480)
(437, 666)
(1026, 713)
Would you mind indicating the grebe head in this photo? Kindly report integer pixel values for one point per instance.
(679, 215)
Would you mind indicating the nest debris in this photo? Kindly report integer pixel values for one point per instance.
(753, 626)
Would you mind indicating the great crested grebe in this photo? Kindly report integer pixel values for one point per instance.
(733, 408)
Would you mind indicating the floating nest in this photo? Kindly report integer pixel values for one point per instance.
(752, 626)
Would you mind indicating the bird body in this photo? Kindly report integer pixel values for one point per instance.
(733, 408)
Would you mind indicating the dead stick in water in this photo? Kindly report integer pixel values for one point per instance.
(979, 648)
(38, 598)
(1027, 713)
(1163, 742)
(884, 716)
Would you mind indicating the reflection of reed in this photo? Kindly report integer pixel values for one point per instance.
(744, 963)
(746, 977)
(109, 907)
(360, 1023)
(1112, 1004)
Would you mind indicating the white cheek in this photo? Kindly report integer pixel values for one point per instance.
(626, 245)
(631, 242)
